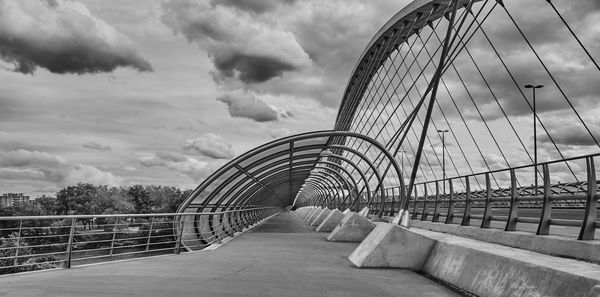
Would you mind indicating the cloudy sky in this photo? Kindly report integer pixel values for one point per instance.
(163, 92)
(166, 91)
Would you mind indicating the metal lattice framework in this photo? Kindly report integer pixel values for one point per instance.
(464, 68)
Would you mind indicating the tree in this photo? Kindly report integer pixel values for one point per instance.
(78, 199)
(48, 204)
(140, 198)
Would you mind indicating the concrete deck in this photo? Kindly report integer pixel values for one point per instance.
(281, 257)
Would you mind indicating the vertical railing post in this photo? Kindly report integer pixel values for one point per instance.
(414, 214)
(466, 221)
(436, 207)
(588, 226)
(179, 234)
(450, 215)
(114, 236)
(18, 244)
(544, 226)
(70, 243)
(227, 227)
(425, 213)
(149, 234)
(487, 213)
(513, 213)
(392, 203)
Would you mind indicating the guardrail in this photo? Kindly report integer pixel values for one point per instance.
(501, 199)
(42, 242)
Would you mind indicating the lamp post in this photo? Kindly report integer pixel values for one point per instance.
(535, 159)
(443, 157)
(403, 152)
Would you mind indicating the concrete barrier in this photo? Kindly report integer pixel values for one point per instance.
(309, 213)
(315, 216)
(352, 228)
(488, 269)
(364, 212)
(478, 267)
(390, 245)
(303, 211)
(333, 219)
(319, 218)
(312, 215)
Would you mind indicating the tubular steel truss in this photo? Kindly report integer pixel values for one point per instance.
(437, 66)
(457, 66)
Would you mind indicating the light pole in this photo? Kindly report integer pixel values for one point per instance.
(402, 161)
(535, 159)
(443, 157)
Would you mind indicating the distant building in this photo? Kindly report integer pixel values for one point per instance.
(10, 199)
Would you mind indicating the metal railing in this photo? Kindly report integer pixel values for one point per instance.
(502, 202)
(42, 242)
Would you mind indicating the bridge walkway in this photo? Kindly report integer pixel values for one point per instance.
(281, 257)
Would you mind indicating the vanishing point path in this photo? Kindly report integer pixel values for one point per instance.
(281, 257)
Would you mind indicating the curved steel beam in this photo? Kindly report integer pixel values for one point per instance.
(336, 165)
(339, 188)
(319, 134)
(373, 168)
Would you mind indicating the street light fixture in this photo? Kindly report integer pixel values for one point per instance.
(443, 157)
(535, 159)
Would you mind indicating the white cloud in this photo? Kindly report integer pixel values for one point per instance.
(280, 133)
(182, 164)
(210, 145)
(96, 146)
(247, 105)
(34, 165)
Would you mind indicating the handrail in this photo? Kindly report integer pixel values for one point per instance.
(169, 214)
(513, 168)
(42, 242)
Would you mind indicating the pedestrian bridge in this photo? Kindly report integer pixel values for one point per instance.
(283, 256)
(441, 176)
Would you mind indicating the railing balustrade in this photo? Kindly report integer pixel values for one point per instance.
(497, 199)
(42, 242)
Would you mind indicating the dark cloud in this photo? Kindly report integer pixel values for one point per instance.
(255, 6)
(63, 37)
(251, 68)
(247, 105)
(568, 130)
(96, 146)
(239, 46)
(210, 145)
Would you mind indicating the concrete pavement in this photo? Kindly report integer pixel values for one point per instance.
(281, 257)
